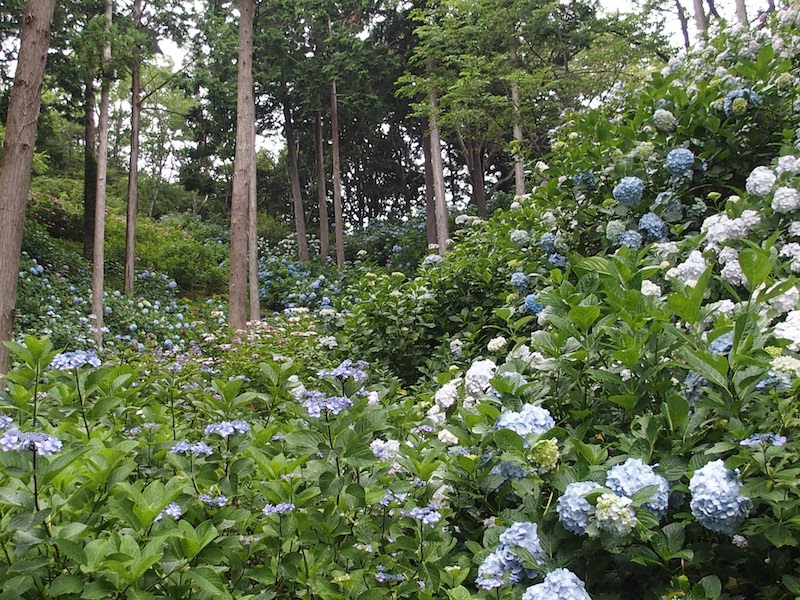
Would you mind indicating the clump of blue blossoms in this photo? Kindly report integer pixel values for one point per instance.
(653, 227)
(716, 500)
(531, 420)
(503, 565)
(631, 239)
(628, 191)
(348, 368)
(66, 361)
(197, 449)
(219, 501)
(633, 475)
(562, 584)
(427, 515)
(42, 444)
(519, 281)
(548, 243)
(383, 577)
(764, 438)
(737, 102)
(557, 260)
(574, 509)
(316, 402)
(584, 180)
(278, 509)
(172, 510)
(532, 307)
(680, 162)
(226, 428)
(6, 421)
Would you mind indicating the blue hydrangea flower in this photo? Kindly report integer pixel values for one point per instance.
(631, 239)
(427, 515)
(278, 509)
(559, 261)
(531, 420)
(523, 535)
(43, 444)
(548, 243)
(654, 228)
(716, 500)
(197, 449)
(172, 510)
(764, 438)
(633, 475)
(219, 501)
(628, 191)
(226, 428)
(680, 161)
(532, 307)
(732, 109)
(383, 577)
(574, 509)
(504, 565)
(561, 584)
(492, 572)
(316, 402)
(6, 421)
(348, 368)
(509, 470)
(519, 281)
(66, 361)
(584, 180)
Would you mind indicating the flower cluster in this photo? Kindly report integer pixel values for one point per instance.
(197, 449)
(219, 501)
(43, 444)
(519, 281)
(680, 162)
(316, 402)
(278, 509)
(760, 182)
(716, 500)
(347, 369)
(615, 514)
(664, 120)
(785, 199)
(478, 376)
(385, 450)
(562, 584)
(520, 237)
(737, 102)
(427, 515)
(631, 239)
(391, 496)
(226, 428)
(531, 420)
(628, 191)
(66, 361)
(574, 509)
(503, 565)
(532, 305)
(757, 439)
(653, 226)
(446, 395)
(548, 243)
(633, 475)
(172, 510)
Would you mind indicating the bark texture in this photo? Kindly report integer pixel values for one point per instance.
(442, 232)
(430, 197)
(133, 167)
(322, 193)
(89, 168)
(294, 180)
(338, 218)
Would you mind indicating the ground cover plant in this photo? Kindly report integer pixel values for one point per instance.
(592, 395)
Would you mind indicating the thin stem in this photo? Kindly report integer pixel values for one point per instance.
(35, 484)
(83, 408)
(280, 547)
(35, 394)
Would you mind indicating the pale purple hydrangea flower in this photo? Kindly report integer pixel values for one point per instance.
(43, 444)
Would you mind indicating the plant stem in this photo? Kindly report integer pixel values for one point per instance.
(83, 408)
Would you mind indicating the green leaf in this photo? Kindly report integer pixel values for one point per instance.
(711, 586)
(792, 584)
(66, 584)
(509, 441)
(756, 266)
(209, 581)
(584, 316)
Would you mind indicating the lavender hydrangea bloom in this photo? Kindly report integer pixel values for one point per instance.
(519, 281)
(764, 438)
(226, 428)
(197, 449)
(531, 419)
(213, 500)
(574, 509)
(278, 509)
(584, 180)
(653, 227)
(716, 500)
(43, 444)
(347, 369)
(628, 191)
(532, 307)
(427, 515)
(66, 361)
(383, 577)
(631, 239)
(732, 109)
(559, 261)
(562, 584)
(548, 243)
(680, 161)
(172, 510)
(316, 402)
(493, 572)
(504, 565)
(6, 421)
(633, 475)
(391, 496)
(523, 535)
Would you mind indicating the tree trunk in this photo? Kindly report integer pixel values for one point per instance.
(519, 164)
(430, 198)
(700, 19)
(89, 169)
(684, 21)
(161, 160)
(294, 179)
(115, 155)
(133, 170)
(712, 9)
(741, 13)
(243, 164)
(442, 232)
(17, 160)
(475, 162)
(252, 245)
(322, 193)
(337, 178)
(98, 263)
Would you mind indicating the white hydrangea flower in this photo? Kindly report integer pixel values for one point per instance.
(794, 229)
(788, 164)
(456, 347)
(760, 182)
(689, 272)
(733, 274)
(447, 438)
(478, 376)
(436, 414)
(650, 289)
(446, 395)
(496, 344)
(663, 250)
(785, 200)
(790, 330)
(615, 514)
(786, 365)
(786, 301)
(723, 307)
(720, 228)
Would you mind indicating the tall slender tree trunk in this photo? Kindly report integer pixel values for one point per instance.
(337, 178)
(252, 244)
(294, 180)
(712, 9)
(161, 159)
(89, 168)
(684, 21)
(475, 160)
(519, 165)
(17, 159)
(98, 263)
(430, 197)
(242, 169)
(115, 155)
(322, 193)
(442, 232)
(700, 19)
(133, 172)
(741, 13)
